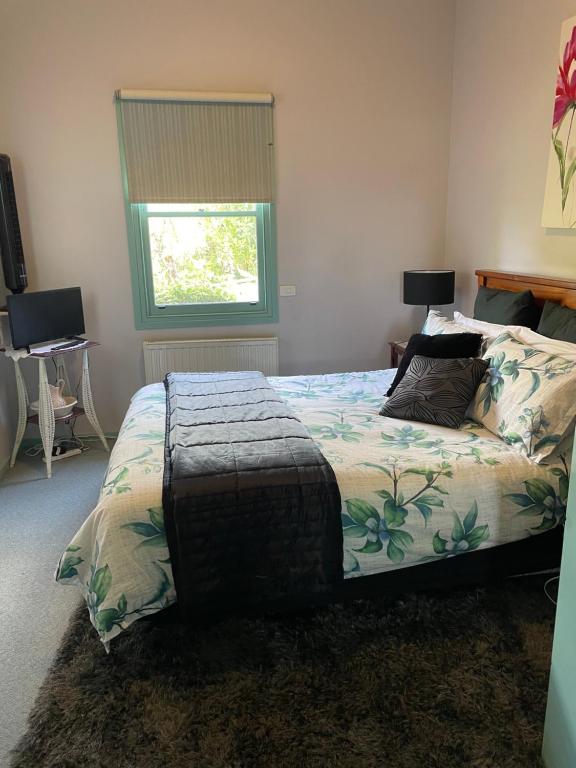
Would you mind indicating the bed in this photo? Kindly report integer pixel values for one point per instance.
(413, 496)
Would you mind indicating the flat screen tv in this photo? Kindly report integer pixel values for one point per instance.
(11, 251)
(45, 316)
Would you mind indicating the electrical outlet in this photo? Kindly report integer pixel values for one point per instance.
(287, 290)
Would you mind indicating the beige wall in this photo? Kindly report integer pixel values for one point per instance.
(363, 94)
(505, 60)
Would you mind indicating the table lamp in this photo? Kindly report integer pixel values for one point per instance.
(428, 286)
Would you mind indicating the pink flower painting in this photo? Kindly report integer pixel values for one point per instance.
(566, 83)
(560, 195)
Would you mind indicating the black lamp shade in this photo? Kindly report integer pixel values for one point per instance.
(429, 286)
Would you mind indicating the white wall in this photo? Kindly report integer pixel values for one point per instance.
(362, 93)
(505, 64)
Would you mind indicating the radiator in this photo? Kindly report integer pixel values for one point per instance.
(162, 357)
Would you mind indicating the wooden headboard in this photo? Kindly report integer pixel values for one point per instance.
(558, 289)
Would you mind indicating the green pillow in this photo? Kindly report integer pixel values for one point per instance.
(558, 322)
(506, 307)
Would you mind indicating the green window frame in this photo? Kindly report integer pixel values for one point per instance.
(147, 315)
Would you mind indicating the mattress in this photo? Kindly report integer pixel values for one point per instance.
(411, 493)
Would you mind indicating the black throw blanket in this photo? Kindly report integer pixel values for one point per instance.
(251, 506)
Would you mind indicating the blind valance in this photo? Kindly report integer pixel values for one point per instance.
(184, 147)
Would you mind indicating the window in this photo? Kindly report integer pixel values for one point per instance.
(195, 264)
(199, 254)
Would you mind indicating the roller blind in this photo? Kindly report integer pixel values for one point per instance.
(181, 147)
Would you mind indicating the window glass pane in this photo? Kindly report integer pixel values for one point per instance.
(203, 260)
(196, 207)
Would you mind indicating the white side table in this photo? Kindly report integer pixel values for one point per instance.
(45, 418)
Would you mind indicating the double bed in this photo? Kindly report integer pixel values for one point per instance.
(413, 496)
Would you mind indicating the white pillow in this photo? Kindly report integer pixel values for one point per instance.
(542, 343)
(437, 324)
(488, 330)
(563, 349)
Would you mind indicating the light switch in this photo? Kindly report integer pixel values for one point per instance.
(287, 290)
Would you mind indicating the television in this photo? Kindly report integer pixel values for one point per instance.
(11, 251)
(45, 316)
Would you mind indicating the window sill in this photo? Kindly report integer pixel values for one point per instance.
(261, 317)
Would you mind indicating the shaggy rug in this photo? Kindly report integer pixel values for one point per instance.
(453, 680)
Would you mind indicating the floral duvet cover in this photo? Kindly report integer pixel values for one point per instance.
(411, 493)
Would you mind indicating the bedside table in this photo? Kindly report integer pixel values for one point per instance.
(397, 349)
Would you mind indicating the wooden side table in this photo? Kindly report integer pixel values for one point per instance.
(45, 417)
(397, 349)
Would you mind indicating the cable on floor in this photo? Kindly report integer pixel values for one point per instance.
(547, 593)
(68, 443)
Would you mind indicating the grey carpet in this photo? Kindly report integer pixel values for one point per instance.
(37, 519)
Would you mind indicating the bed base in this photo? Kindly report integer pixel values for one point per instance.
(480, 568)
(528, 556)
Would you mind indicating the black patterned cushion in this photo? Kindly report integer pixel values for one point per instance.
(436, 391)
(446, 345)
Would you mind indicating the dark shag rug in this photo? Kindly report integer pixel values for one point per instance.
(453, 680)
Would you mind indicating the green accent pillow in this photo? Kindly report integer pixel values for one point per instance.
(506, 307)
(558, 322)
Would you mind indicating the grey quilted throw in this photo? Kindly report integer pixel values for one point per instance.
(251, 506)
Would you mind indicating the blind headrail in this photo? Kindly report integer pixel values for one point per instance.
(199, 97)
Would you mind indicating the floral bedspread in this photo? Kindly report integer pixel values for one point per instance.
(411, 493)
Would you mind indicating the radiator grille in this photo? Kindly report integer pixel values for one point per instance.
(162, 357)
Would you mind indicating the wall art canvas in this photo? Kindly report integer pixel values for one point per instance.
(560, 194)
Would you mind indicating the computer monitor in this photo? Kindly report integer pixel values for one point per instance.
(45, 316)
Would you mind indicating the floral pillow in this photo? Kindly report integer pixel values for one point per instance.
(528, 397)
